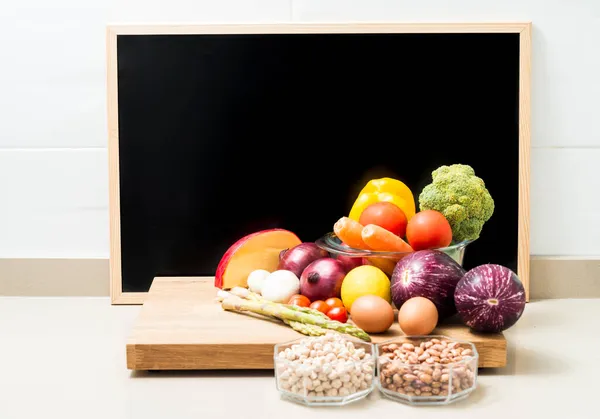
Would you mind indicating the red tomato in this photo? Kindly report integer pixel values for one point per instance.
(338, 313)
(299, 300)
(386, 215)
(334, 302)
(428, 230)
(320, 305)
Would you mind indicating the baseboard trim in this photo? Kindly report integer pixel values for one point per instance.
(54, 277)
(551, 277)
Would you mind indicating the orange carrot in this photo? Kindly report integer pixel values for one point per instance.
(350, 232)
(378, 238)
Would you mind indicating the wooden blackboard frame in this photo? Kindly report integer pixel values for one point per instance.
(523, 29)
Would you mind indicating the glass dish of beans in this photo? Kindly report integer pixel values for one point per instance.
(426, 370)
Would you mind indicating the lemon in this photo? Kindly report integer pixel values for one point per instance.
(365, 280)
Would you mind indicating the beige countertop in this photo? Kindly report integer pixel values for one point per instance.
(65, 358)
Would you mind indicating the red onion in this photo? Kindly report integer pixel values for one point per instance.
(322, 279)
(349, 262)
(299, 257)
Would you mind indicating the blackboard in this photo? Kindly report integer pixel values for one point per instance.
(217, 135)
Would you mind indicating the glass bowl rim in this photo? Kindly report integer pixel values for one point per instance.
(329, 243)
(371, 345)
(466, 360)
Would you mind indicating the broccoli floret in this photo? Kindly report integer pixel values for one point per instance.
(462, 197)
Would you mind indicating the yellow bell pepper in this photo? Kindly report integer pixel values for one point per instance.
(386, 190)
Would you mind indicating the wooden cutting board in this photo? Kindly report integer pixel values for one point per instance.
(182, 327)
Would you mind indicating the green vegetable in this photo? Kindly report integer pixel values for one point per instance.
(462, 197)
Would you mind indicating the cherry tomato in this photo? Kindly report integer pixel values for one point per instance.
(299, 300)
(320, 305)
(386, 215)
(334, 302)
(428, 230)
(338, 313)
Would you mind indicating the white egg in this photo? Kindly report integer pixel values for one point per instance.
(280, 286)
(256, 279)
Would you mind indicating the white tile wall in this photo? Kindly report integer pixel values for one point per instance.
(565, 205)
(54, 203)
(53, 169)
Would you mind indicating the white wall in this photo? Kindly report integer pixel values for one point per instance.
(53, 159)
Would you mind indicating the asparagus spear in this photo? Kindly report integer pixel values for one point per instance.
(306, 329)
(249, 295)
(284, 313)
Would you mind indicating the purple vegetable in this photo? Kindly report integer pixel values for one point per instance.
(490, 298)
(299, 257)
(427, 273)
(349, 262)
(322, 279)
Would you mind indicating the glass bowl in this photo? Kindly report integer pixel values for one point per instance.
(386, 261)
(305, 373)
(407, 372)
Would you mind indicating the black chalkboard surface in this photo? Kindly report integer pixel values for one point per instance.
(223, 135)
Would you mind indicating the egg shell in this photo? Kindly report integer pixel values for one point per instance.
(417, 316)
(372, 314)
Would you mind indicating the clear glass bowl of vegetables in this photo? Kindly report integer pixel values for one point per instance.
(386, 261)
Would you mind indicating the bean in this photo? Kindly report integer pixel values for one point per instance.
(408, 346)
(418, 392)
(426, 369)
(435, 391)
(397, 379)
(409, 377)
(426, 394)
(426, 378)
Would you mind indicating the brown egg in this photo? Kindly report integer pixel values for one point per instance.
(372, 314)
(417, 316)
